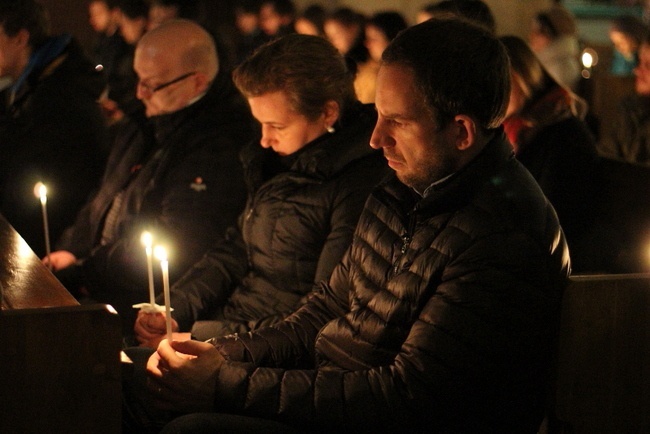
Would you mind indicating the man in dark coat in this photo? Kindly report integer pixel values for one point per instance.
(442, 315)
(51, 128)
(180, 179)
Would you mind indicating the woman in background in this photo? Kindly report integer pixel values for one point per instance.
(626, 32)
(381, 28)
(554, 39)
(545, 125)
(311, 21)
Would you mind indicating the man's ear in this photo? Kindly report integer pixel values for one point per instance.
(466, 132)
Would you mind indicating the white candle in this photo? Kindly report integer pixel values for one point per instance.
(147, 241)
(40, 191)
(161, 254)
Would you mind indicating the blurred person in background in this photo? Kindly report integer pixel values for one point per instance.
(380, 29)
(345, 29)
(626, 33)
(120, 99)
(163, 10)
(545, 124)
(476, 11)
(109, 48)
(51, 128)
(629, 139)
(249, 36)
(311, 21)
(553, 37)
(276, 18)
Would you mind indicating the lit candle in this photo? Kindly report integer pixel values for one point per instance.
(161, 255)
(40, 191)
(147, 241)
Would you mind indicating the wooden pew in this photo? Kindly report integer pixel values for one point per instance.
(603, 360)
(60, 369)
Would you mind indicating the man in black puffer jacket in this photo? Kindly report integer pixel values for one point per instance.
(180, 179)
(442, 315)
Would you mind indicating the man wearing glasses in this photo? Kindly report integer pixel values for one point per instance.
(178, 177)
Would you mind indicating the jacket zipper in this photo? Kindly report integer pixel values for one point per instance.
(407, 237)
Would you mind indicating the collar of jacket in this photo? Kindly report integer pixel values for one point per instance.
(166, 124)
(40, 59)
(459, 189)
(331, 152)
(43, 61)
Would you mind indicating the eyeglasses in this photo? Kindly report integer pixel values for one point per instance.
(152, 90)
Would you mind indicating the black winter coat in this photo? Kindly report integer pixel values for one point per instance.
(562, 158)
(181, 181)
(297, 225)
(439, 319)
(52, 132)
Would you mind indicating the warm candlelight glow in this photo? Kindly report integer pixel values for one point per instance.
(161, 255)
(147, 240)
(40, 191)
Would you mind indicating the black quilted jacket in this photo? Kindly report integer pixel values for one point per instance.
(440, 318)
(296, 227)
(182, 182)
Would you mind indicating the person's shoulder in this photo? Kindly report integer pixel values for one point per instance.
(74, 73)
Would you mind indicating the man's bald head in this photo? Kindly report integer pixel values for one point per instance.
(182, 41)
(176, 64)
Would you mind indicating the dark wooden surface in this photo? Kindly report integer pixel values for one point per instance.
(25, 281)
(60, 367)
(603, 367)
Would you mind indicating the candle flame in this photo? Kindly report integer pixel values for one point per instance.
(160, 253)
(589, 58)
(146, 239)
(40, 191)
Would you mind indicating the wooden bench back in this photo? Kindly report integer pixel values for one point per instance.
(603, 360)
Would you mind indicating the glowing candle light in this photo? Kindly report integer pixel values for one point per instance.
(161, 255)
(147, 241)
(40, 191)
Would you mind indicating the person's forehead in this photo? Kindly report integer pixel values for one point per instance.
(396, 78)
(397, 92)
(157, 63)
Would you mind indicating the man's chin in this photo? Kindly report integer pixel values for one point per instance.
(153, 111)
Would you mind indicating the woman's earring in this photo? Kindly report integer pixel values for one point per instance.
(330, 129)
